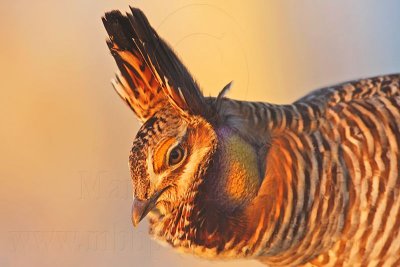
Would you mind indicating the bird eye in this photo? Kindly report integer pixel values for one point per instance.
(176, 155)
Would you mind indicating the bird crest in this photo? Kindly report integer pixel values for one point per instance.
(151, 76)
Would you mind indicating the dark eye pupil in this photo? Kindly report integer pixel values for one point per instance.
(176, 155)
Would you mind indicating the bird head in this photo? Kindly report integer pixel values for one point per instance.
(167, 155)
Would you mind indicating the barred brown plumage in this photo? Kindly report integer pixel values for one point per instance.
(314, 183)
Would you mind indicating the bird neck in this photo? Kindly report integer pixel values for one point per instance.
(265, 119)
(230, 183)
(233, 179)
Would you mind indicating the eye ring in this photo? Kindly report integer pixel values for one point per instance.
(176, 155)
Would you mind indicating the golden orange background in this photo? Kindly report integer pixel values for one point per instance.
(65, 193)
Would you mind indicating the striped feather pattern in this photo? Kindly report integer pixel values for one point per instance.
(333, 162)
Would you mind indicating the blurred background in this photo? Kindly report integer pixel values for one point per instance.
(65, 195)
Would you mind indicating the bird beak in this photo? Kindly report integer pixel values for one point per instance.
(140, 208)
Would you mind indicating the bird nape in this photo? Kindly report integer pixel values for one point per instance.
(313, 183)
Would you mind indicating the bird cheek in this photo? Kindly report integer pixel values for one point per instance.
(162, 207)
(166, 200)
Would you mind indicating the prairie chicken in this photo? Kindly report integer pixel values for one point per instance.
(314, 183)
